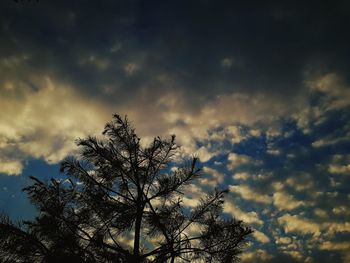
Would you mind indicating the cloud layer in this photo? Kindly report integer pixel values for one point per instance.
(260, 93)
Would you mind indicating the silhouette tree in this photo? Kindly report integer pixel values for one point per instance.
(122, 202)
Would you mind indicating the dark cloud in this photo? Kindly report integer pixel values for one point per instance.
(269, 45)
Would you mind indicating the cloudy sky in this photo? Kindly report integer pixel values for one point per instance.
(260, 91)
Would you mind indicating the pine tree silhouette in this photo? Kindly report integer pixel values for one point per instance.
(122, 202)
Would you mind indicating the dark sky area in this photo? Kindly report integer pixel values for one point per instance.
(259, 90)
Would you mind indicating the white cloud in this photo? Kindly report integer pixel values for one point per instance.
(173, 114)
(190, 202)
(261, 237)
(248, 193)
(339, 169)
(341, 210)
(298, 224)
(334, 86)
(283, 240)
(301, 182)
(10, 167)
(211, 177)
(236, 212)
(328, 245)
(193, 193)
(342, 247)
(259, 255)
(285, 201)
(204, 154)
(336, 96)
(320, 213)
(236, 160)
(274, 151)
(44, 123)
(330, 140)
(335, 227)
(277, 186)
(241, 176)
(233, 132)
(243, 108)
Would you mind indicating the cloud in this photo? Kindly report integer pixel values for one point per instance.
(301, 182)
(214, 178)
(274, 151)
(25, 109)
(258, 255)
(234, 133)
(44, 123)
(320, 213)
(297, 224)
(10, 167)
(192, 195)
(330, 141)
(285, 201)
(236, 160)
(236, 212)
(283, 240)
(339, 169)
(241, 176)
(215, 93)
(341, 210)
(250, 194)
(330, 93)
(190, 202)
(204, 154)
(342, 247)
(261, 237)
(332, 228)
(335, 246)
(334, 87)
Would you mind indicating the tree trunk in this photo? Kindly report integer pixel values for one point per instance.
(137, 236)
(172, 260)
(139, 214)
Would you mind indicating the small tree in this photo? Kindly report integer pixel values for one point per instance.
(122, 202)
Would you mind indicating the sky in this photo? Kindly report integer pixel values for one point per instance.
(259, 90)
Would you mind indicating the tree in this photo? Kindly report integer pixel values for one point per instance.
(122, 202)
